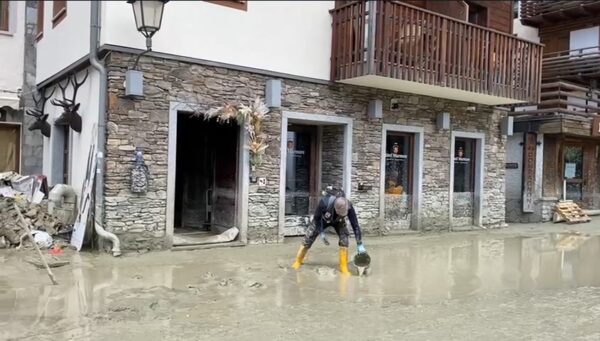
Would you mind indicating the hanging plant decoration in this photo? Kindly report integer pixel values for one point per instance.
(251, 118)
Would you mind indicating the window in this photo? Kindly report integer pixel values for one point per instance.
(477, 14)
(573, 171)
(398, 160)
(40, 19)
(301, 166)
(4, 15)
(237, 4)
(464, 165)
(59, 11)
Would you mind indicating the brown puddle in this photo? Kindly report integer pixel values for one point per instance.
(212, 291)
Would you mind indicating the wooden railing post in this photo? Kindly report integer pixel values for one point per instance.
(372, 21)
(443, 57)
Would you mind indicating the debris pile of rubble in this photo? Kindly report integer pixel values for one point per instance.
(36, 215)
(28, 193)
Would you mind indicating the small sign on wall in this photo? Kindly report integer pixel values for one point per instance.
(529, 161)
(570, 170)
(262, 182)
(512, 165)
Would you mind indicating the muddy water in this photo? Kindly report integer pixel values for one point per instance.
(450, 287)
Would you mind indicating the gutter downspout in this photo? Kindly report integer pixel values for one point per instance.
(100, 143)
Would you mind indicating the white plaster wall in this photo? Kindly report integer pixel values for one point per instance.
(67, 42)
(11, 52)
(514, 154)
(80, 143)
(524, 31)
(292, 37)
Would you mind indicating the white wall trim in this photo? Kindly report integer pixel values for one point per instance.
(243, 175)
(313, 119)
(479, 175)
(417, 191)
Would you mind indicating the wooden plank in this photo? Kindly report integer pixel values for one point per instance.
(460, 62)
(420, 53)
(413, 49)
(443, 53)
(400, 38)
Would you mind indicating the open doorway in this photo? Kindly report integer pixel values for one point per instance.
(206, 179)
(315, 154)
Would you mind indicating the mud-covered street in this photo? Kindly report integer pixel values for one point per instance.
(515, 284)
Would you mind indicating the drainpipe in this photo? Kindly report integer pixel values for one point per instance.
(103, 89)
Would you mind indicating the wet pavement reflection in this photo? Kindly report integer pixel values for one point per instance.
(168, 289)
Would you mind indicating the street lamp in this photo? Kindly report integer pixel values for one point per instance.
(148, 17)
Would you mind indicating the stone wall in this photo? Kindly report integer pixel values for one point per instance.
(140, 220)
(332, 156)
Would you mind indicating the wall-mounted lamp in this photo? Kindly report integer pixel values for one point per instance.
(148, 18)
(443, 121)
(375, 108)
(506, 126)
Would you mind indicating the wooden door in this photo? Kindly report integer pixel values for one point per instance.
(10, 147)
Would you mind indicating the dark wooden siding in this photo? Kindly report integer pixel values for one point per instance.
(500, 16)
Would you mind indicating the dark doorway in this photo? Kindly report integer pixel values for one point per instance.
(206, 175)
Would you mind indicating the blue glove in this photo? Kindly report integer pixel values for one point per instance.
(361, 248)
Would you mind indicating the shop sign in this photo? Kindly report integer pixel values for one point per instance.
(529, 161)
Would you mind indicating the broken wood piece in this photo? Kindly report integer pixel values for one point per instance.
(50, 274)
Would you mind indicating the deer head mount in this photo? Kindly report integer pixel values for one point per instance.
(70, 115)
(40, 117)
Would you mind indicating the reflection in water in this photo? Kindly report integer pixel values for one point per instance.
(424, 272)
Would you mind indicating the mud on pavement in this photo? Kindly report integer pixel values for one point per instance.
(463, 286)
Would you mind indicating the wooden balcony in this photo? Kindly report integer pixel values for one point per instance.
(564, 98)
(539, 12)
(397, 46)
(574, 65)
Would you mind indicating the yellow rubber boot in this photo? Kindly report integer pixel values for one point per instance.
(344, 261)
(300, 257)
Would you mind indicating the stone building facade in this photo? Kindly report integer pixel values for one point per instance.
(140, 219)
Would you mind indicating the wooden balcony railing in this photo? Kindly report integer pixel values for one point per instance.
(572, 65)
(535, 12)
(565, 98)
(401, 41)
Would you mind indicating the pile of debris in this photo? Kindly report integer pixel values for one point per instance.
(28, 193)
(36, 215)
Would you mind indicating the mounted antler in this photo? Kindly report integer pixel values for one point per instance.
(40, 117)
(70, 115)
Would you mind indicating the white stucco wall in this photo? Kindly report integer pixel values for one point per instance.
(11, 54)
(524, 31)
(514, 154)
(285, 36)
(67, 42)
(80, 143)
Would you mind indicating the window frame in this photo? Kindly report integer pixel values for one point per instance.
(241, 5)
(58, 13)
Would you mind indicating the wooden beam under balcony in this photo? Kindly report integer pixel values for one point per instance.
(540, 12)
(397, 46)
(564, 98)
(578, 64)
